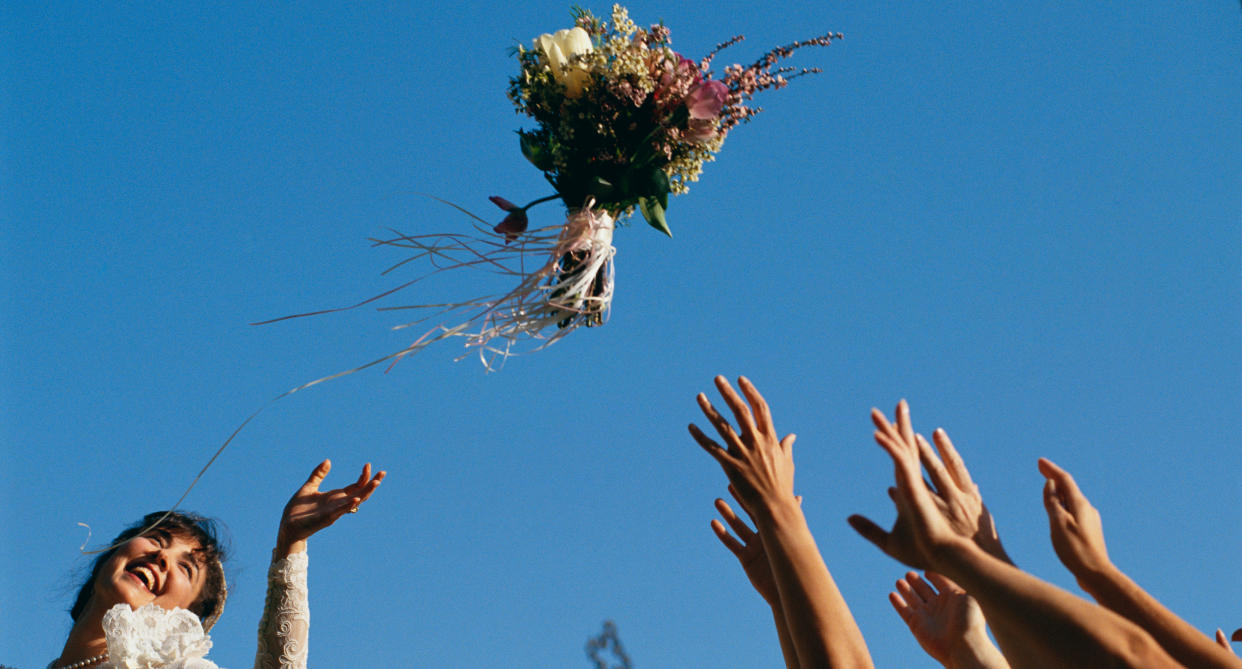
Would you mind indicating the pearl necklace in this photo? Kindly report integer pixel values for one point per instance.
(80, 663)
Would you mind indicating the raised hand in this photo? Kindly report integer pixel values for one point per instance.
(947, 508)
(1077, 533)
(814, 624)
(310, 510)
(757, 462)
(747, 547)
(946, 621)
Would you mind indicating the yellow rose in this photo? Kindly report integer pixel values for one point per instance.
(558, 49)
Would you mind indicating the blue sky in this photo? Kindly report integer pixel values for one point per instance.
(1023, 218)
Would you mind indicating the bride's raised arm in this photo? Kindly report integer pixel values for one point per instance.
(285, 625)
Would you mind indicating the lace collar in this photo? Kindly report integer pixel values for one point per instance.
(155, 638)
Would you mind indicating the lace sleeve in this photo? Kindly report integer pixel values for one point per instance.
(285, 624)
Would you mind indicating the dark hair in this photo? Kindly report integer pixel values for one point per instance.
(210, 602)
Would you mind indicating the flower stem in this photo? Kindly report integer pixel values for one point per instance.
(542, 199)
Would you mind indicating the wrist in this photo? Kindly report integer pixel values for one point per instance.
(1097, 578)
(975, 650)
(947, 555)
(778, 512)
(286, 546)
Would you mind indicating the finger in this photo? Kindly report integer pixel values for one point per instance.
(1057, 514)
(743, 532)
(941, 481)
(900, 605)
(787, 444)
(723, 428)
(952, 460)
(365, 475)
(869, 531)
(881, 423)
(904, 426)
(713, 449)
(370, 486)
(942, 582)
(1067, 488)
(1236, 636)
(1222, 641)
(741, 412)
(727, 539)
(908, 593)
(317, 475)
(920, 586)
(759, 407)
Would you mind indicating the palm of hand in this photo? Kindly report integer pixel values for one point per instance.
(754, 561)
(311, 510)
(945, 620)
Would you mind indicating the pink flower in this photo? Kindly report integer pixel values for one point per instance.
(503, 203)
(706, 99)
(514, 224)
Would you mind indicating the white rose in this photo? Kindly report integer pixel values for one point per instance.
(558, 49)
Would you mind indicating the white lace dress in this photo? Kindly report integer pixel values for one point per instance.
(156, 638)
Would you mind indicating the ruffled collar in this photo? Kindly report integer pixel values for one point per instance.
(155, 638)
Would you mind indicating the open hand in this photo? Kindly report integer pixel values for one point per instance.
(1077, 533)
(310, 510)
(950, 503)
(757, 462)
(945, 621)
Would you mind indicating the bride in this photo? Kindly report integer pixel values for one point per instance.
(150, 600)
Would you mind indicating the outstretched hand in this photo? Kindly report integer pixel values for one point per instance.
(310, 510)
(1077, 533)
(757, 462)
(946, 621)
(747, 547)
(948, 506)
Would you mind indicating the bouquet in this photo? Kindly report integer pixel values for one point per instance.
(621, 122)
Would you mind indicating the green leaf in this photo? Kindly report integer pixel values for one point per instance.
(660, 181)
(535, 152)
(654, 213)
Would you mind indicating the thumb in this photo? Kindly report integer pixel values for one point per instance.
(317, 475)
(869, 531)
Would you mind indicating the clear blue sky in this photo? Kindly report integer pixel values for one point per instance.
(1023, 218)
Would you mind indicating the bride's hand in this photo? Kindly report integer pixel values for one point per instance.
(310, 510)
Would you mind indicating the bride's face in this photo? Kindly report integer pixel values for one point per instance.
(156, 567)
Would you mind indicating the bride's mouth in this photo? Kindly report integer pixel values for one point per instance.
(144, 576)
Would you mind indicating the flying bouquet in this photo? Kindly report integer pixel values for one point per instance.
(622, 121)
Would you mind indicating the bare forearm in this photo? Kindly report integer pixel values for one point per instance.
(1040, 625)
(782, 632)
(817, 618)
(1119, 593)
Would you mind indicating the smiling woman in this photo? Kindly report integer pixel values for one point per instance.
(153, 595)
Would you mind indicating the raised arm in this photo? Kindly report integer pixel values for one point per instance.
(285, 626)
(1078, 538)
(760, 466)
(946, 621)
(1043, 625)
(747, 547)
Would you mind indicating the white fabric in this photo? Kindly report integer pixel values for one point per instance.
(285, 626)
(155, 638)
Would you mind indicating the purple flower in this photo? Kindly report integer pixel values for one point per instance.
(706, 99)
(514, 224)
